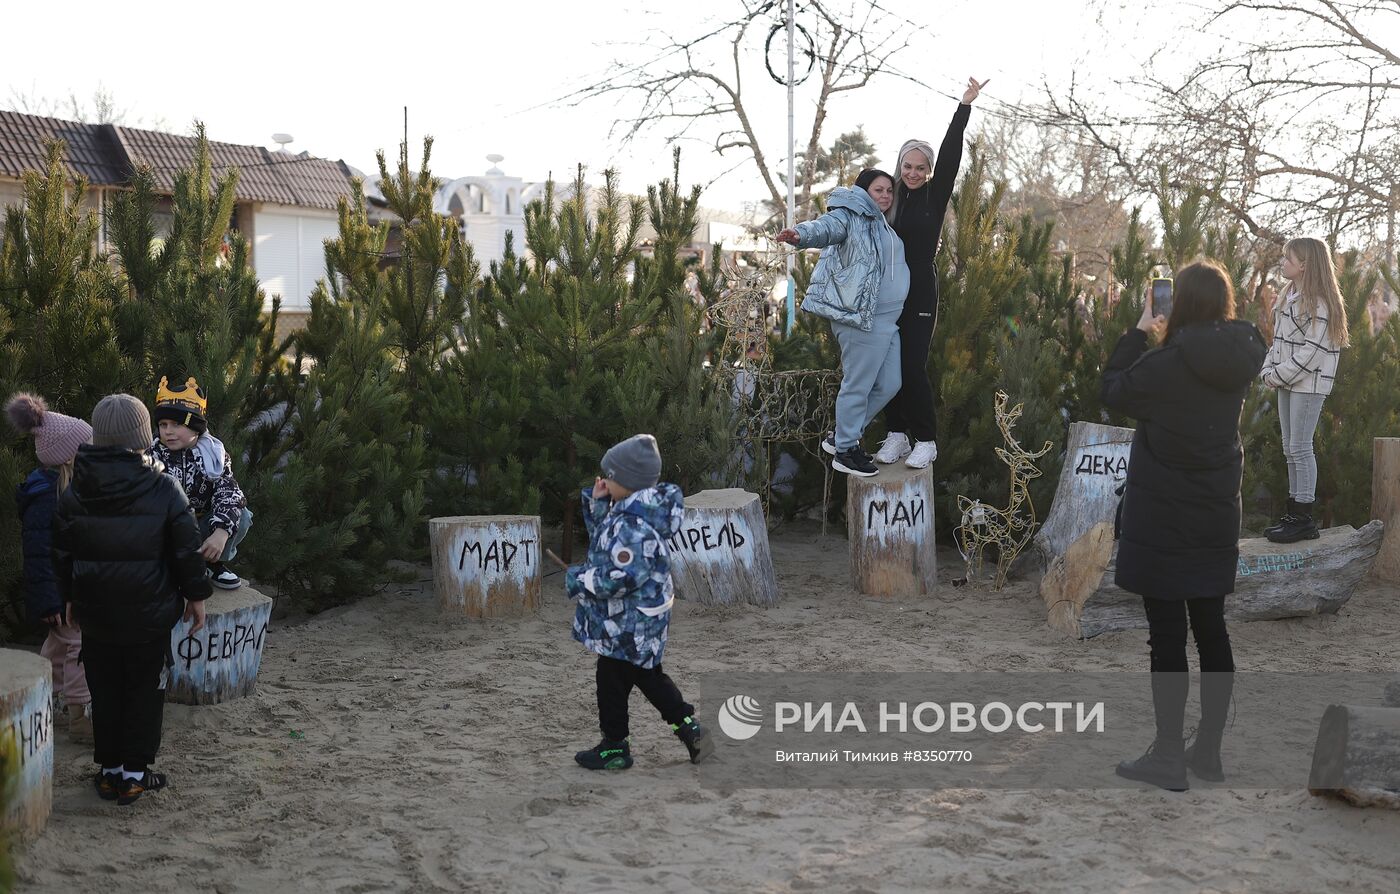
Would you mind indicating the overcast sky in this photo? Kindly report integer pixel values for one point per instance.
(480, 76)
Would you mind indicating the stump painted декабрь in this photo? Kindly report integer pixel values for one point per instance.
(720, 556)
(486, 566)
(26, 696)
(889, 518)
(220, 662)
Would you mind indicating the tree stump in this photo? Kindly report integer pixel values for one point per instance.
(486, 566)
(1096, 462)
(890, 521)
(720, 556)
(220, 662)
(26, 697)
(1357, 755)
(1274, 580)
(1385, 505)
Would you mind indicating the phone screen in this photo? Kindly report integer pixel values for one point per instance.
(1162, 297)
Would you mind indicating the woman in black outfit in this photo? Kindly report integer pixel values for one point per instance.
(1180, 516)
(921, 201)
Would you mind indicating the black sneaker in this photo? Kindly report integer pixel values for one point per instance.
(131, 790)
(1300, 527)
(829, 443)
(1164, 765)
(606, 755)
(1288, 517)
(222, 577)
(697, 739)
(108, 785)
(855, 462)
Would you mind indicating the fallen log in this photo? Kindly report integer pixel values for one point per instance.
(1273, 581)
(1357, 755)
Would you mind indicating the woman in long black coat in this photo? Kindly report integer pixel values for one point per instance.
(1180, 525)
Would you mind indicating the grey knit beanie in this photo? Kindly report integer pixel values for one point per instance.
(635, 463)
(121, 420)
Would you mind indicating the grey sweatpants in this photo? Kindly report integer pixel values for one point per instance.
(1298, 412)
(870, 374)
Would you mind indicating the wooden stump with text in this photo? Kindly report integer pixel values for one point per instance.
(889, 518)
(720, 556)
(26, 697)
(486, 566)
(1357, 755)
(1385, 505)
(220, 662)
(1273, 580)
(1096, 462)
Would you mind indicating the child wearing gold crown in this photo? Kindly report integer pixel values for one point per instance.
(195, 458)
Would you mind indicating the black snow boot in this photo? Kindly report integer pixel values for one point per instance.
(1300, 527)
(697, 739)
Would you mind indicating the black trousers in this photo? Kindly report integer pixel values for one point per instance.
(911, 410)
(615, 681)
(1167, 621)
(127, 701)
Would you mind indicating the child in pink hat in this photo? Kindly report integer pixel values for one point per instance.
(56, 441)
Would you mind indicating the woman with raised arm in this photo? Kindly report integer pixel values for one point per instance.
(921, 202)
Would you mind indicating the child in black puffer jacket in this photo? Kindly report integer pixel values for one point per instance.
(126, 555)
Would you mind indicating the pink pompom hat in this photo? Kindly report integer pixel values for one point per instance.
(56, 436)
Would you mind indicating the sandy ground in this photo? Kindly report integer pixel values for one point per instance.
(437, 756)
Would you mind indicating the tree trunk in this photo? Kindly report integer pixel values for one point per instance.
(1357, 755)
(1096, 461)
(220, 662)
(720, 556)
(486, 566)
(1274, 580)
(26, 697)
(890, 521)
(1385, 505)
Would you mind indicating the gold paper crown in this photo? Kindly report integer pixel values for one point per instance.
(189, 398)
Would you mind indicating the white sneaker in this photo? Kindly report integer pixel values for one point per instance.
(895, 447)
(925, 452)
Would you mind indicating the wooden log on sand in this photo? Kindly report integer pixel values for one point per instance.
(1357, 755)
(26, 698)
(486, 566)
(720, 556)
(1096, 462)
(1385, 505)
(1274, 580)
(889, 518)
(220, 662)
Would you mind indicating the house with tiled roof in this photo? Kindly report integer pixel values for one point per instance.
(285, 203)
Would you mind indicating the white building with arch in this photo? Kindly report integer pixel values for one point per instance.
(489, 206)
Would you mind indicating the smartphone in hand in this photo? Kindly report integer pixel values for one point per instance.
(1162, 296)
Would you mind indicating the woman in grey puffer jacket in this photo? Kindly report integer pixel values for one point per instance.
(859, 284)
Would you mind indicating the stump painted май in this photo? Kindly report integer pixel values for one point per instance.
(889, 518)
(720, 555)
(486, 566)
(220, 662)
(26, 696)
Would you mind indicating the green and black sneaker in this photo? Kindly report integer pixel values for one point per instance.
(697, 739)
(606, 755)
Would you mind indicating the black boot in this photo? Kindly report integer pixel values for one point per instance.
(1300, 527)
(1203, 755)
(1164, 765)
(609, 754)
(1284, 520)
(697, 739)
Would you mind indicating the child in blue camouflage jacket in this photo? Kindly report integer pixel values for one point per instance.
(624, 593)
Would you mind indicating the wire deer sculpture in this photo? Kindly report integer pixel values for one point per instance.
(1008, 529)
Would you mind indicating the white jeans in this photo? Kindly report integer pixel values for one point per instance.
(1298, 412)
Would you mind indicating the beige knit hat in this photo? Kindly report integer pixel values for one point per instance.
(121, 420)
(56, 436)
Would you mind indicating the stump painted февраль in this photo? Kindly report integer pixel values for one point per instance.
(220, 661)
